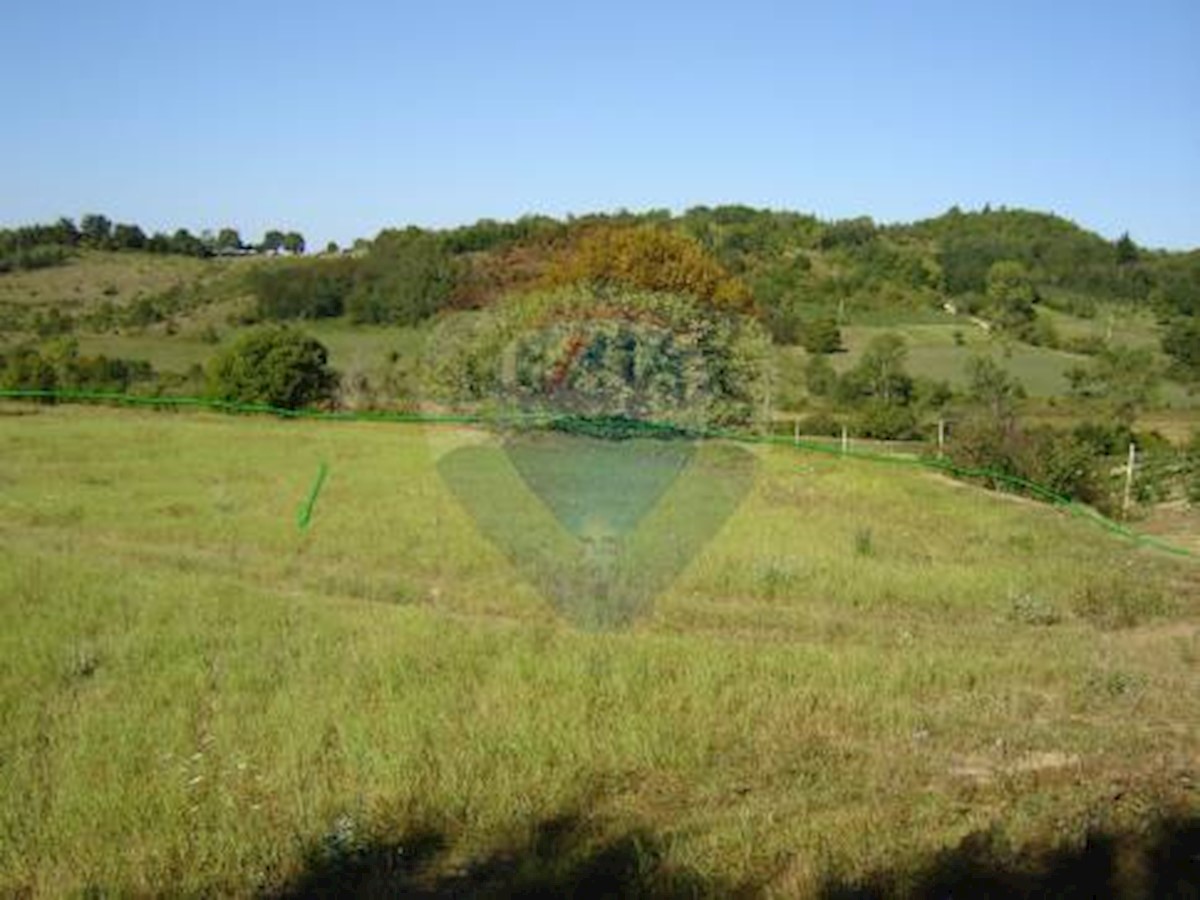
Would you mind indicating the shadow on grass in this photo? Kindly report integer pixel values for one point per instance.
(1161, 862)
(563, 858)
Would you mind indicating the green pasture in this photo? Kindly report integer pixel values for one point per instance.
(863, 667)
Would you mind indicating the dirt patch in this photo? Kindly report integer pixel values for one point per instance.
(982, 770)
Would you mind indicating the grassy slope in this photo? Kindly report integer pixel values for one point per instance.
(867, 664)
(934, 352)
(94, 276)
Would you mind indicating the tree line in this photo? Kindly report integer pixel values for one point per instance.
(40, 246)
(804, 277)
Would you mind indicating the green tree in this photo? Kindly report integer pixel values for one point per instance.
(228, 239)
(95, 230)
(276, 366)
(65, 232)
(1181, 341)
(128, 237)
(822, 336)
(1126, 250)
(1192, 469)
(1124, 379)
(1010, 294)
(25, 369)
(293, 242)
(301, 290)
(819, 377)
(407, 276)
(185, 243)
(880, 373)
(990, 386)
(272, 241)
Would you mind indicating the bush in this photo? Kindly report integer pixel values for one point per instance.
(820, 424)
(821, 336)
(303, 290)
(58, 365)
(24, 369)
(1192, 483)
(819, 377)
(1064, 463)
(407, 276)
(276, 366)
(887, 422)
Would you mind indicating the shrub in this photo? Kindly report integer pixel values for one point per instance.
(887, 422)
(1192, 486)
(58, 365)
(819, 377)
(407, 276)
(821, 336)
(1062, 462)
(24, 369)
(276, 366)
(302, 290)
(820, 424)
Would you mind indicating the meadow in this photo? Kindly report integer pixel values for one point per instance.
(870, 679)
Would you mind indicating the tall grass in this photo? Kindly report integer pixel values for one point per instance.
(199, 697)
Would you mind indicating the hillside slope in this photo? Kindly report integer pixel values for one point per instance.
(864, 666)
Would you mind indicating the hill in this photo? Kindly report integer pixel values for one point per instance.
(865, 667)
(1090, 332)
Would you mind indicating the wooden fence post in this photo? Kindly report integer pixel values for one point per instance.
(1129, 479)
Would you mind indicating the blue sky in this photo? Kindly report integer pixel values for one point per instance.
(342, 118)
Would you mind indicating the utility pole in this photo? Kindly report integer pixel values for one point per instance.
(845, 440)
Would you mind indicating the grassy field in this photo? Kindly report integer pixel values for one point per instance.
(935, 352)
(350, 347)
(869, 679)
(92, 277)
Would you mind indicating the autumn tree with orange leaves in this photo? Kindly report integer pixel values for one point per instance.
(651, 259)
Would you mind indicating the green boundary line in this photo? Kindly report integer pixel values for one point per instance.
(304, 515)
(546, 419)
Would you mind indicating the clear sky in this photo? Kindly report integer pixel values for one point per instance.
(342, 118)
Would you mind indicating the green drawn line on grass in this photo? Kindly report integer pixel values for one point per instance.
(304, 514)
(566, 422)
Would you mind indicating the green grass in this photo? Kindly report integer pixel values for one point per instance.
(92, 277)
(866, 665)
(933, 352)
(351, 347)
(1122, 325)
